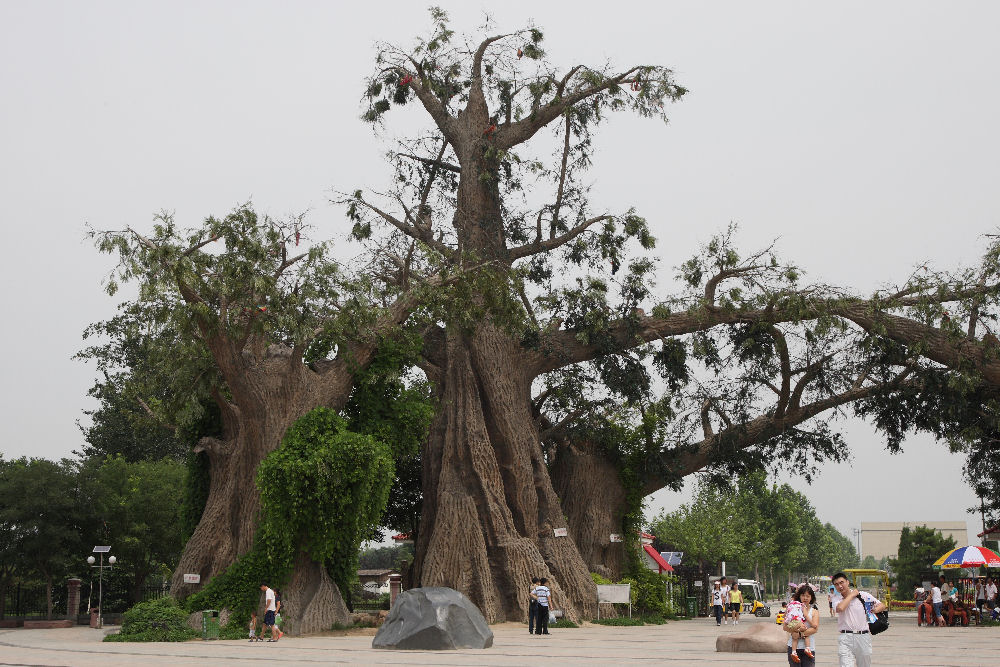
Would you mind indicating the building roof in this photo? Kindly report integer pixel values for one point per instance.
(375, 573)
(402, 537)
(657, 558)
(994, 529)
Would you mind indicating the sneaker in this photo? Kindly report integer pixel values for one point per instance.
(726, 621)
(809, 653)
(795, 657)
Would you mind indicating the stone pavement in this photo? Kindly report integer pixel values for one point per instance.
(676, 643)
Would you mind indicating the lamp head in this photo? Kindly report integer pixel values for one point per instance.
(112, 560)
(91, 560)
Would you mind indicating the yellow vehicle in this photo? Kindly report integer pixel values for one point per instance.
(752, 598)
(875, 582)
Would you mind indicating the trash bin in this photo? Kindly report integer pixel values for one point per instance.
(692, 607)
(209, 624)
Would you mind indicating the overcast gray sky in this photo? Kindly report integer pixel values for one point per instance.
(862, 135)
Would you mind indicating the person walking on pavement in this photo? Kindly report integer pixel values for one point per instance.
(735, 603)
(717, 602)
(854, 644)
(269, 611)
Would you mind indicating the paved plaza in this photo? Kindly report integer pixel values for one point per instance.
(676, 643)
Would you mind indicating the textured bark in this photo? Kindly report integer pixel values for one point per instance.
(593, 499)
(311, 602)
(489, 507)
(273, 394)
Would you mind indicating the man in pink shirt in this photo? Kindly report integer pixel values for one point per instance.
(854, 645)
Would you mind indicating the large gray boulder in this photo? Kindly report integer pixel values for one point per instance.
(433, 618)
(754, 638)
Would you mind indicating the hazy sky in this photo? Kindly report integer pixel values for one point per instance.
(861, 135)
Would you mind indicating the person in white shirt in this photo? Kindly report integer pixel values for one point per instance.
(834, 598)
(717, 602)
(854, 644)
(269, 610)
(980, 594)
(991, 592)
(936, 604)
(544, 597)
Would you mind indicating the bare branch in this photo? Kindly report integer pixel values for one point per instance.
(544, 246)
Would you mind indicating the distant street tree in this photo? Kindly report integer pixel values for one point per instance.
(919, 547)
(133, 507)
(42, 516)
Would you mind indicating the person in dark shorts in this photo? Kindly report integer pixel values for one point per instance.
(270, 607)
(533, 607)
(544, 597)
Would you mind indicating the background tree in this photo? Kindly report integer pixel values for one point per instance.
(919, 547)
(41, 512)
(134, 508)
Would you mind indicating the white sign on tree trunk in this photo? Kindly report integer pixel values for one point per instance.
(559, 532)
(615, 537)
(192, 578)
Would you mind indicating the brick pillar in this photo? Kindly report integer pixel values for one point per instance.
(73, 599)
(395, 587)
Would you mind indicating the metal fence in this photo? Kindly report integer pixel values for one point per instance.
(27, 600)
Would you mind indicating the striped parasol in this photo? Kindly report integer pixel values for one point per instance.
(967, 557)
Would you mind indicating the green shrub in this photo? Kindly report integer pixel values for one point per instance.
(160, 620)
(623, 620)
(563, 623)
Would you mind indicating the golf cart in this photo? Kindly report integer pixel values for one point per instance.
(875, 582)
(753, 598)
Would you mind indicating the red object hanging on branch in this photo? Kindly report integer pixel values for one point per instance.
(520, 53)
(490, 130)
(405, 80)
(636, 85)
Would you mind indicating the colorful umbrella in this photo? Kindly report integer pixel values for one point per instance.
(968, 557)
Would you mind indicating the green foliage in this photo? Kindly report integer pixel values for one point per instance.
(136, 503)
(563, 623)
(385, 557)
(161, 620)
(324, 490)
(619, 622)
(754, 525)
(43, 517)
(919, 547)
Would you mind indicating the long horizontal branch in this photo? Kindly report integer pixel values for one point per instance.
(692, 458)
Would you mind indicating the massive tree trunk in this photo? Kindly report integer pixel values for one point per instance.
(594, 501)
(490, 512)
(273, 394)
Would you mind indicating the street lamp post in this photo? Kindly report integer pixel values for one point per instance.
(100, 578)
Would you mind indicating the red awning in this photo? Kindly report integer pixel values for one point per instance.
(655, 555)
(994, 529)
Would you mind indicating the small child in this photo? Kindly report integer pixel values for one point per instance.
(253, 627)
(795, 621)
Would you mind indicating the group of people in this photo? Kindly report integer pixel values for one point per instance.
(727, 601)
(942, 605)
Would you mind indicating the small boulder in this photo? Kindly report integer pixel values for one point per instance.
(754, 638)
(431, 619)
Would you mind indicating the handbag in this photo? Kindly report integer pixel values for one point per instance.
(881, 622)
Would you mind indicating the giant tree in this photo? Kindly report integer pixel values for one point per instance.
(268, 331)
(471, 191)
